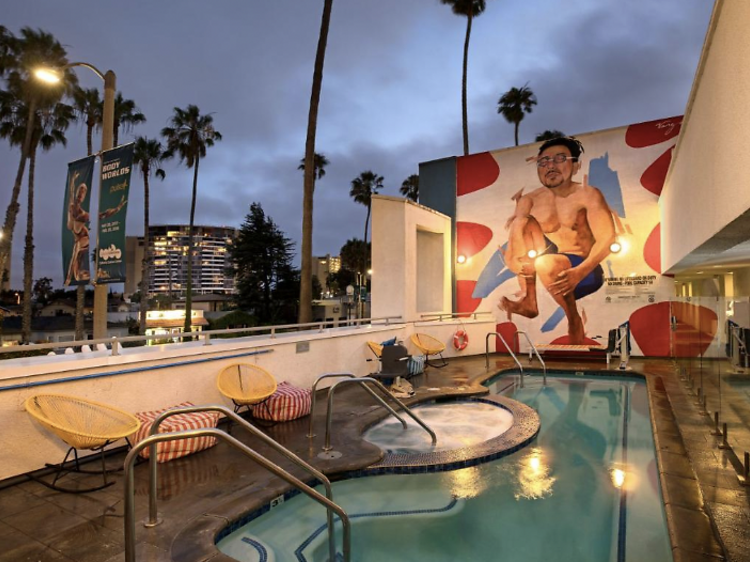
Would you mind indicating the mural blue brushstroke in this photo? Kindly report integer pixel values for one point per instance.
(553, 320)
(608, 182)
(493, 275)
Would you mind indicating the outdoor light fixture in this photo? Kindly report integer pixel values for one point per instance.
(618, 477)
(461, 258)
(49, 75)
(615, 247)
(532, 254)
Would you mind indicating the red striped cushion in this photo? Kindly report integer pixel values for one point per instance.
(287, 403)
(170, 450)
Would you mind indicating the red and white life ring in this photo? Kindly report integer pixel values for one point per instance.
(460, 340)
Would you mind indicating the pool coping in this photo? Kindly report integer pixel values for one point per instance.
(691, 529)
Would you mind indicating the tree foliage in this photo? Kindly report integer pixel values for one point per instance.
(514, 103)
(267, 283)
(549, 134)
(410, 187)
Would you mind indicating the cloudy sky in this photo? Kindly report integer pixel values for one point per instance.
(390, 100)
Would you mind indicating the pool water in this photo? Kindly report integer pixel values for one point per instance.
(456, 424)
(586, 489)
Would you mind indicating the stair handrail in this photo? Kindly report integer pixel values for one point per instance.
(153, 517)
(363, 381)
(153, 440)
(383, 403)
(507, 347)
(534, 349)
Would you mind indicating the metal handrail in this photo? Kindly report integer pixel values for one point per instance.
(257, 457)
(205, 335)
(379, 386)
(153, 518)
(533, 348)
(507, 347)
(450, 315)
(383, 403)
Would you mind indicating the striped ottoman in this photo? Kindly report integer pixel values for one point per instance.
(171, 450)
(287, 403)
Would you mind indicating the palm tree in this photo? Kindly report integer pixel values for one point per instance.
(410, 187)
(19, 102)
(319, 162)
(49, 125)
(305, 286)
(188, 137)
(514, 103)
(147, 154)
(363, 188)
(88, 106)
(127, 115)
(470, 9)
(549, 135)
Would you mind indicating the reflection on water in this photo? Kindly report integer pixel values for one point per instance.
(534, 478)
(467, 482)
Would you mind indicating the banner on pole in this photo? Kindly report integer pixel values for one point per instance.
(75, 223)
(113, 206)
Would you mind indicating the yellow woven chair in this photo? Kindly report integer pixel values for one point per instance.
(81, 424)
(429, 346)
(376, 348)
(246, 385)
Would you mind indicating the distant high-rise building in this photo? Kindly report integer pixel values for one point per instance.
(168, 245)
(324, 266)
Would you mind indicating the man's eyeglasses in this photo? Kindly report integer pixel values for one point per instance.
(557, 159)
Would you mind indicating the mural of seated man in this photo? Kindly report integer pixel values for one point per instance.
(560, 233)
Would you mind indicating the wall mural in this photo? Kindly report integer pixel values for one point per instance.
(562, 239)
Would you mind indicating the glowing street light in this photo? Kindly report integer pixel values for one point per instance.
(53, 76)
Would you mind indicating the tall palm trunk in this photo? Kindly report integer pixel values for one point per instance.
(464, 110)
(146, 257)
(28, 253)
(11, 212)
(517, 125)
(189, 295)
(305, 291)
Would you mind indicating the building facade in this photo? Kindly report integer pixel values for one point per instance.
(169, 245)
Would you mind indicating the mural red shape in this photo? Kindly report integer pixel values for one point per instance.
(695, 329)
(465, 303)
(650, 328)
(652, 249)
(652, 132)
(654, 176)
(565, 340)
(508, 331)
(471, 238)
(475, 172)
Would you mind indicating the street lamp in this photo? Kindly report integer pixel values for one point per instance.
(53, 76)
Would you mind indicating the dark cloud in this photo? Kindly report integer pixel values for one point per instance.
(391, 93)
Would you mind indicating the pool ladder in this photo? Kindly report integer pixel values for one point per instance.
(155, 438)
(513, 355)
(349, 378)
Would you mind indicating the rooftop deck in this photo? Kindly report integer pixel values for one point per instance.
(708, 511)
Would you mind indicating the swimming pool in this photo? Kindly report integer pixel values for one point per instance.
(586, 489)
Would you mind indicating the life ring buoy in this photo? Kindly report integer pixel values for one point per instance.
(460, 340)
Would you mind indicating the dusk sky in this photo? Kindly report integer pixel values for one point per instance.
(390, 100)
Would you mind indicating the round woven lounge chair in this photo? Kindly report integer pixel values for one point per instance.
(429, 346)
(246, 385)
(81, 424)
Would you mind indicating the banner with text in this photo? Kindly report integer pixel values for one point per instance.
(113, 206)
(75, 222)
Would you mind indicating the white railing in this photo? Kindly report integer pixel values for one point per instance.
(115, 343)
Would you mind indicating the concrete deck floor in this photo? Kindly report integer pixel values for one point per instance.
(708, 511)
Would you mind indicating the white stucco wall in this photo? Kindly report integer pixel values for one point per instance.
(152, 378)
(398, 277)
(706, 187)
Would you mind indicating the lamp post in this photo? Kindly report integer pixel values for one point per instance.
(108, 128)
